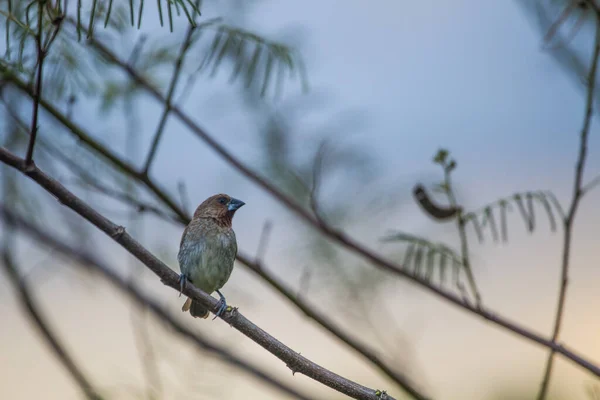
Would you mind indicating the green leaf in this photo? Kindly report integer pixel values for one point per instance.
(441, 156)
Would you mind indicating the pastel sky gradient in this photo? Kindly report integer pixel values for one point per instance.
(467, 75)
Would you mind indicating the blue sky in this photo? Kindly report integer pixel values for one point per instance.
(467, 75)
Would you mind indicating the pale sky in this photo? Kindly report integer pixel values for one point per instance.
(466, 75)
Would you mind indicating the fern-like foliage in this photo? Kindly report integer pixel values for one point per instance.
(69, 68)
(494, 215)
(253, 58)
(423, 257)
(91, 13)
(213, 46)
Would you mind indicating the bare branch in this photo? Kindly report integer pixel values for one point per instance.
(293, 360)
(316, 182)
(106, 154)
(187, 41)
(327, 323)
(146, 352)
(461, 225)
(578, 192)
(38, 82)
(88, 179)
(590, 185)
(43, 327)
(263, 242)
(247, 261)
(42, 48)
(88, 261)
(334, 234)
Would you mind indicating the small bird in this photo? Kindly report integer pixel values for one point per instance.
(208, 249)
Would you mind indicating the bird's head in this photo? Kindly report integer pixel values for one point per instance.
(220, 207)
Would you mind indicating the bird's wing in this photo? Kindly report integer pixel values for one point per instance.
(191, 246)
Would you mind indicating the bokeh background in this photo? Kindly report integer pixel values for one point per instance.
(389, 83)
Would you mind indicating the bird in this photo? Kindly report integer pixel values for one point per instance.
(207, 251)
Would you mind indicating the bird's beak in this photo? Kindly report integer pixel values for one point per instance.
(234, 204)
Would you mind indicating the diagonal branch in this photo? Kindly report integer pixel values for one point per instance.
(578, 191)
(323, 319)
(246, 260)
(43, 327)
(590, 185)
(88, 261)
(294, 361)
(94, 145)
(87, 178)
(332, 233)
(336, 235)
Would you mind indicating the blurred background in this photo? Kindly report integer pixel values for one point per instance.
(366, 92)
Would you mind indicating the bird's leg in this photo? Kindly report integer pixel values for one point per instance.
(222, 305)
(182, 279)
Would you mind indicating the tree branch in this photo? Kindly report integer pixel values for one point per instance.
(462, 232)
(41, 55)
(90, 262)
(246, 260)
(578, 192)
(187, 41)
(322, 319)
(106, 154)
(340, 237)
(590, 185)
(334, 234)
(90, 180)
(293, 360)
(44, 329)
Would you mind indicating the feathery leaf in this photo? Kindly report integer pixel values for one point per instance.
(525, 202)
(422, 257)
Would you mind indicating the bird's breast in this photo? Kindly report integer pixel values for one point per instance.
(208, 260)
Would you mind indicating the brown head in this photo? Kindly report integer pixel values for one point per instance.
(220, 207)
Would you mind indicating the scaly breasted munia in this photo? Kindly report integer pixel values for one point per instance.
(208, 249)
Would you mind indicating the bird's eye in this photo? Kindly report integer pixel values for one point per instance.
(222, 200)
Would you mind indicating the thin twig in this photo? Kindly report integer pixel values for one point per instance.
(462, 232)
(187, 41)
(336, 235)
(263, 242)
(570, 219)
(97, 147)
(590, 185)
(327, 323)
(89, 261)
(38, 83)
(245, 260)
(42, 325)
(146, 352)
(561, 19)
(296, 362)
(87, 178)
(184, 198)
(316, 182)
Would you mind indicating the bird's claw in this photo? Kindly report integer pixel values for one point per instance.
(222, 306)
(182, 279)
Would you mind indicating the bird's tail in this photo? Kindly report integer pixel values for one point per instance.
(196, 309)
